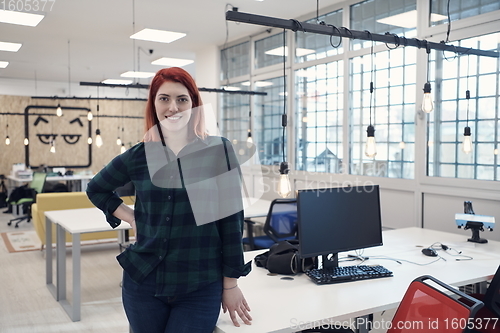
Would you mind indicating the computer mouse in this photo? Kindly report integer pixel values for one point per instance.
(430, 252)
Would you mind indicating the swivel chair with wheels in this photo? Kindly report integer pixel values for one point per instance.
(487, 319)
(35, 187)
(280, 224)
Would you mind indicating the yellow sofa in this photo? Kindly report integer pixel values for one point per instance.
(67, 200)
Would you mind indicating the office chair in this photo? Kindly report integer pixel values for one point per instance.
(281, 224)
(488, 317)
(36, 186)
(425, 308)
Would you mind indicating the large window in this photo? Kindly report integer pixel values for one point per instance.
(392, 113)
(379, 16)
(235, 61)
(314, 46)
(319, 118)
(454, 76)
(235, 114)
(268, 132)
(460, 9)
(331, 92)
(269, 51)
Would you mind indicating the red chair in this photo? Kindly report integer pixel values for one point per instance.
(428, 308)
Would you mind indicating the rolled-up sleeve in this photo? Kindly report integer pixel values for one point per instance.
(101, 189)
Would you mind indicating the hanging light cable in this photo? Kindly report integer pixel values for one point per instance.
(53, 138)
(98, 138)
(118, 140)
(284, 188)
(371, 147)
(427, 103)
(467, 142)
(7, 139)
(249, 137)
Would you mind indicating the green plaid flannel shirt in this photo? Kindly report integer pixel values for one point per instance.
(188, 256)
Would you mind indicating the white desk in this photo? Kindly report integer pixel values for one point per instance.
(84, 220)
(286, 306)
(76, 222)
(80, 181)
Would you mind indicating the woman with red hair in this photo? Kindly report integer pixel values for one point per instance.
(188, 252)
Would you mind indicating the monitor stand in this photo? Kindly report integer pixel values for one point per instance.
(330, 261)
(475, 227)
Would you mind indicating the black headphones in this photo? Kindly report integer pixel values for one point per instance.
(441, 246)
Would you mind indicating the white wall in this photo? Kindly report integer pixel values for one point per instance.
(440, 210)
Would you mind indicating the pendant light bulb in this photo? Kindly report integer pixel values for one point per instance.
(467, 143)
(118, 141)
(284, 188)
(90, 116)
(89, 140)
(26, 141)
(123, 149)
(402, 145)
(427, 103)
(249, 140)
(52, 147)
(98, 139)
(370, 147)
(7, 139)
(59, 112)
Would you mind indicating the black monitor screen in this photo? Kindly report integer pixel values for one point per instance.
(339, 219)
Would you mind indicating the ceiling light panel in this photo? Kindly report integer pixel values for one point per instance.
(299, 51)
(13, 17)
(172, 62)
(4, 64)
(117, 81)
(10, 47)
(160, 36)
(138, 75)
(408, 19)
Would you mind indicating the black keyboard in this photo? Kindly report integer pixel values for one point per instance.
(347, 274)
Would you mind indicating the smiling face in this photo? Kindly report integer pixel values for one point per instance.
(173, 108)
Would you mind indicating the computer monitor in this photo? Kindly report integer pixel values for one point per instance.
(333, 220)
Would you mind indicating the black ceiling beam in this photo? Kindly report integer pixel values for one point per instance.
(90, 98)
(146, 86)
(323, 29)
(100, 84)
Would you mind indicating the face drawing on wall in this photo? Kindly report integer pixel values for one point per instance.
(58, 141)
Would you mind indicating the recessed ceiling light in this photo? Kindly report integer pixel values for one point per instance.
(258, 83)
(172, 62)
(10, 47)
(408, 19)
(231, 88)
(139, 75)
(4, 64)
(299, 51)
(161, 36)
(13, 17)
(117, 81)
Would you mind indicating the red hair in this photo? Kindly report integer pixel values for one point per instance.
(175, 74)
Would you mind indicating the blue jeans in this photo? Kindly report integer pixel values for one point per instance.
(195, 312)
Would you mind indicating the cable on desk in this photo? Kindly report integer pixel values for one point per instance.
(440, 246)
